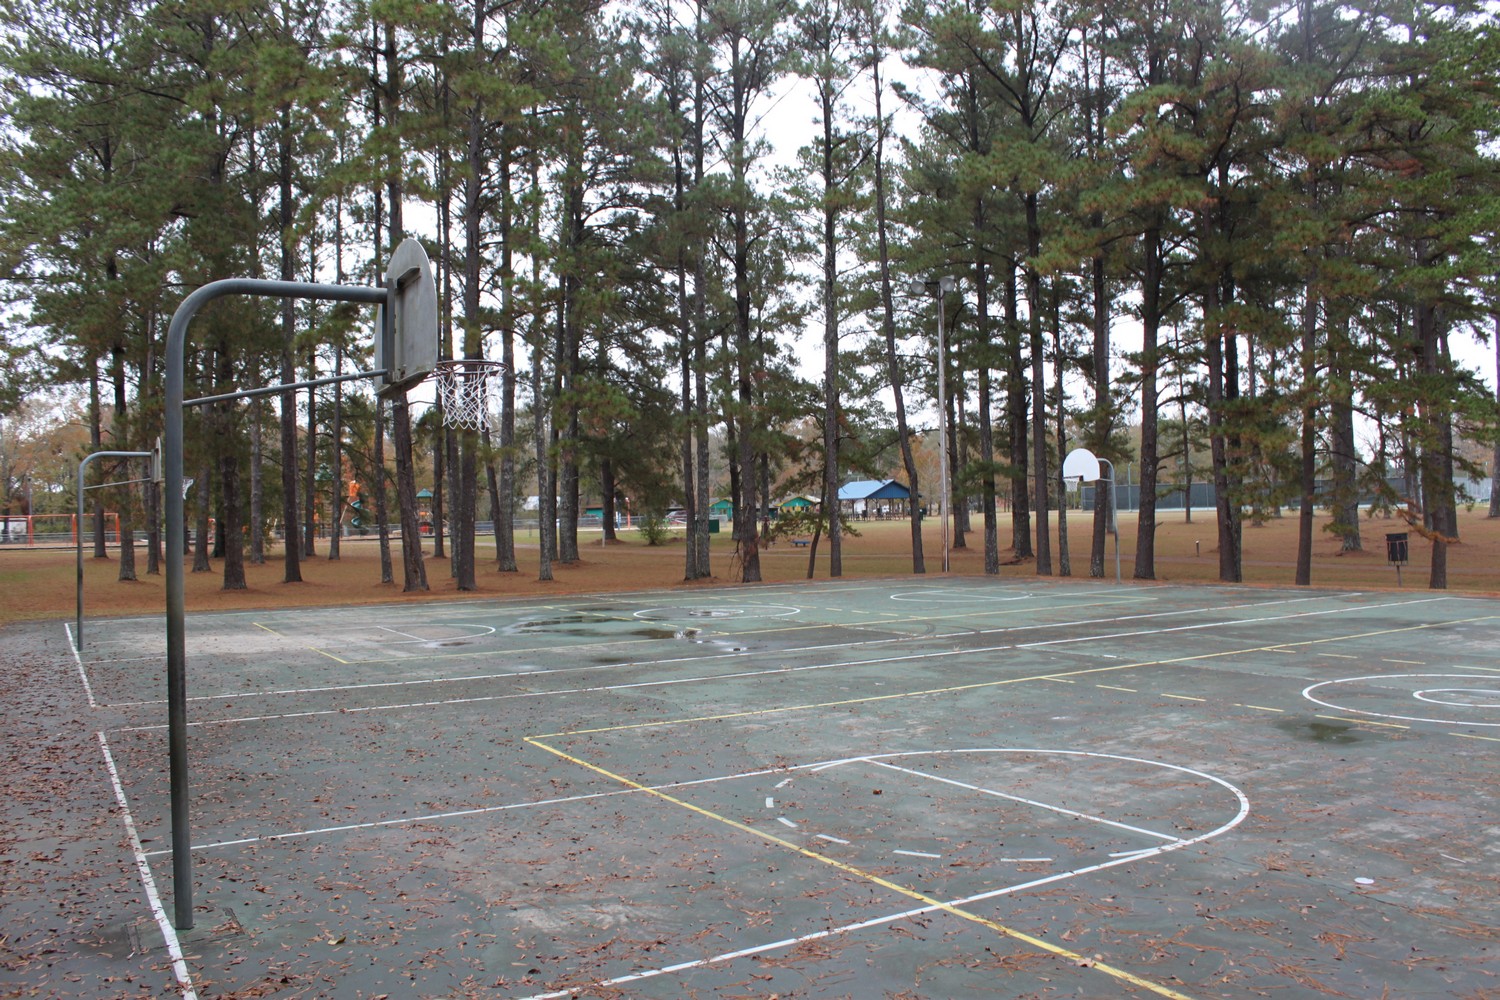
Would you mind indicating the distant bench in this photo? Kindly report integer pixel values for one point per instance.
(800, 543)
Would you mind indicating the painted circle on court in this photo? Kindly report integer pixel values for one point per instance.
(962, 596)
(1460, 697)
(433, 634)
(699, 613)
(1069, 811)
(1399, 696)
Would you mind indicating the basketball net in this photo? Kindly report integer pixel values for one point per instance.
(463, 391)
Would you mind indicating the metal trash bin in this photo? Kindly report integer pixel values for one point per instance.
(1396, 548)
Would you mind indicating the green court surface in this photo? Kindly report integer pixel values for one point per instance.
(903, 788)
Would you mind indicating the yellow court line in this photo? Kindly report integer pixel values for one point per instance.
(1059, 680)
(884, 883)
(1262, 708)
(313, 649)
(1471, 736)
(1182, 697)
(1113, 687)
(980, 685)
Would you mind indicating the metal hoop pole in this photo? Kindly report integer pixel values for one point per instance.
(182, 860)
(1114, 524)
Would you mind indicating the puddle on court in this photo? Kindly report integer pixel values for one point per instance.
(1316, 731)
(591, 627)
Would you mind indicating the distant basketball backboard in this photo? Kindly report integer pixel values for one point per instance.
(406, 340)
(1080, 466)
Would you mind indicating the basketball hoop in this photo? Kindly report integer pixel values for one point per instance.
(463, 391)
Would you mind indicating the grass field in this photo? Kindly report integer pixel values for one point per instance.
(40, 584)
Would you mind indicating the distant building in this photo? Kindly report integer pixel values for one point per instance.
(875, 498)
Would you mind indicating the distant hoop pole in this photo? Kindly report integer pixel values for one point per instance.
(182, 860)
(1084, 466)
(78, 535)
(1114, 523)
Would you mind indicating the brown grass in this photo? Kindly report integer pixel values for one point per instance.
(40, 583)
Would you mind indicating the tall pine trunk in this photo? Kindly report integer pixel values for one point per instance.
(1151, 317)
(895, 373)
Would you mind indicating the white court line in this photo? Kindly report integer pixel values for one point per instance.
(395, 631)
(682, 659)
(860, 925)
(148, 883)
(916, 854)
(129, 659)
(1228, 624)
(791, 942)
(83, 674)
(462, 813)
(342, 615)
(1025, 801)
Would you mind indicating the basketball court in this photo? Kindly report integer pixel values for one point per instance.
(906, 788)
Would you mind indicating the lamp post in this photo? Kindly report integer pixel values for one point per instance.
(940, 287)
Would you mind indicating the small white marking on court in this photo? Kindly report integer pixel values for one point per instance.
(148, 883)
(770, 802)
(786, 822)
(1452, 858)
(916, 854)
(1034, 861)
(831, 839)
(1182, 697)
(784, 783)
(1115, 687)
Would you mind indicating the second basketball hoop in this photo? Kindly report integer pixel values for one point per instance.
(463, 391)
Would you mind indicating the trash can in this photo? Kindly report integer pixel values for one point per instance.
(713, 526)
(1396, 547)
